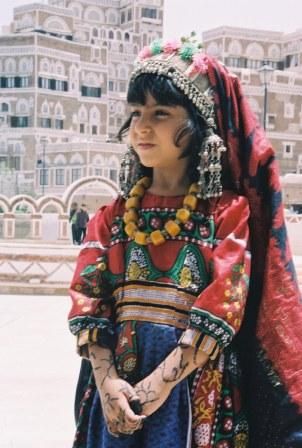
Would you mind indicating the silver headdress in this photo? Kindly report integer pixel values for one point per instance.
(184, 63)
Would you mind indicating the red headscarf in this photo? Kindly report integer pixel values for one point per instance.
(271, 337)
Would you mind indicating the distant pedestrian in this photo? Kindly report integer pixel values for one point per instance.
(82, 219)
(72, 219)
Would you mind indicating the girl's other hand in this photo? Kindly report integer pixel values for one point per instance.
(115, 396)
(152, 392)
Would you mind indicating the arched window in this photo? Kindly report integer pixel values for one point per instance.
(99, 164)
(235, 48)
(22, 107)
(10, 65)
(111, 34)
(94, 14)
(56, 24)
(45, 108)
(255, 51)
(274, 52)
(24, 65)
(127, 37)
(60, 69)
(59, 110)
(94, 115)
(83, 115)
(113, 166)
(27, 21)
(4, 107)
(95, 32)
(77, 159)
(44, 65)
(60, 160)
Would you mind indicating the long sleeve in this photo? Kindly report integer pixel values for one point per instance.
(91, 315)
(217, 313)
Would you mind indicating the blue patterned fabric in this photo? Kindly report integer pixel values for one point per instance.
(155, 342)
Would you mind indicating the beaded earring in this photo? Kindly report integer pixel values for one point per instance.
(130, 172)
(210, 167)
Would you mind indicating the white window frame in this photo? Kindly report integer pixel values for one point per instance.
(286, 154)
(289, 110)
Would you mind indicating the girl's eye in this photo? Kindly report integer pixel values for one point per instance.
(135, 113)
(161, 113)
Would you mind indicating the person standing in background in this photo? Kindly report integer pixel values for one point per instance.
(72, 220)
(82, 219)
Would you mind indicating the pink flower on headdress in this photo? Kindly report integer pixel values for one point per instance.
(200, 63)
(171, 46)
(145, 53)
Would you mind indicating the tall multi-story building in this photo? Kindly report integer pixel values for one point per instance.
(245, 51)
(64, 68)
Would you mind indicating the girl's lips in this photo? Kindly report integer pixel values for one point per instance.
(145, 145)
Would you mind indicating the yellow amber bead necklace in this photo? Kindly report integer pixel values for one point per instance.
(171, 228)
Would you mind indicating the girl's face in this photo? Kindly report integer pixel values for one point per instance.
(152, 133)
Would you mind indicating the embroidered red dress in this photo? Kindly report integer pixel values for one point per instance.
(196, 282)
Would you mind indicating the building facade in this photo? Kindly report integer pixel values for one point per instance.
(64, 68)
(245, 51)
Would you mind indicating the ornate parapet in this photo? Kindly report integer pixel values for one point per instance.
(27, 268)
(46, 218)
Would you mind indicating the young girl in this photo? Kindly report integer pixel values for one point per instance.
(182, 351)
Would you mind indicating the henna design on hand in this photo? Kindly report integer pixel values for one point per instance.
(126, 390)
(145, 393)
(109, 401)
(177, 371)
(106, 365)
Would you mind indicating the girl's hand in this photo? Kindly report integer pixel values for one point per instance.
(115, 395)
(152, 392)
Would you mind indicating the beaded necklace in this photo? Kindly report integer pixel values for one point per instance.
(171, 227)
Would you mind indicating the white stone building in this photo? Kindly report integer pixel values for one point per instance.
(245, 51)
(64, 68)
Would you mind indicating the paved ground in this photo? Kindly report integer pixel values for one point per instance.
(38, 371)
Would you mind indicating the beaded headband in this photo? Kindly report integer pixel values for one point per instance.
(186, 66)
(184, 63)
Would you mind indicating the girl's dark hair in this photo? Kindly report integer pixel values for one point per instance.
(166, 94)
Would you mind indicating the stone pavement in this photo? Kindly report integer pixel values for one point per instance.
(38, 372)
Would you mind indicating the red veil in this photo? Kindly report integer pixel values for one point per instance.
(270, 340)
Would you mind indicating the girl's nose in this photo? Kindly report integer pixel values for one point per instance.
(142, 125)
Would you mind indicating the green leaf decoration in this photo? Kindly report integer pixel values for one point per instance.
(156, 46)
(187, 51)
(90, 269)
